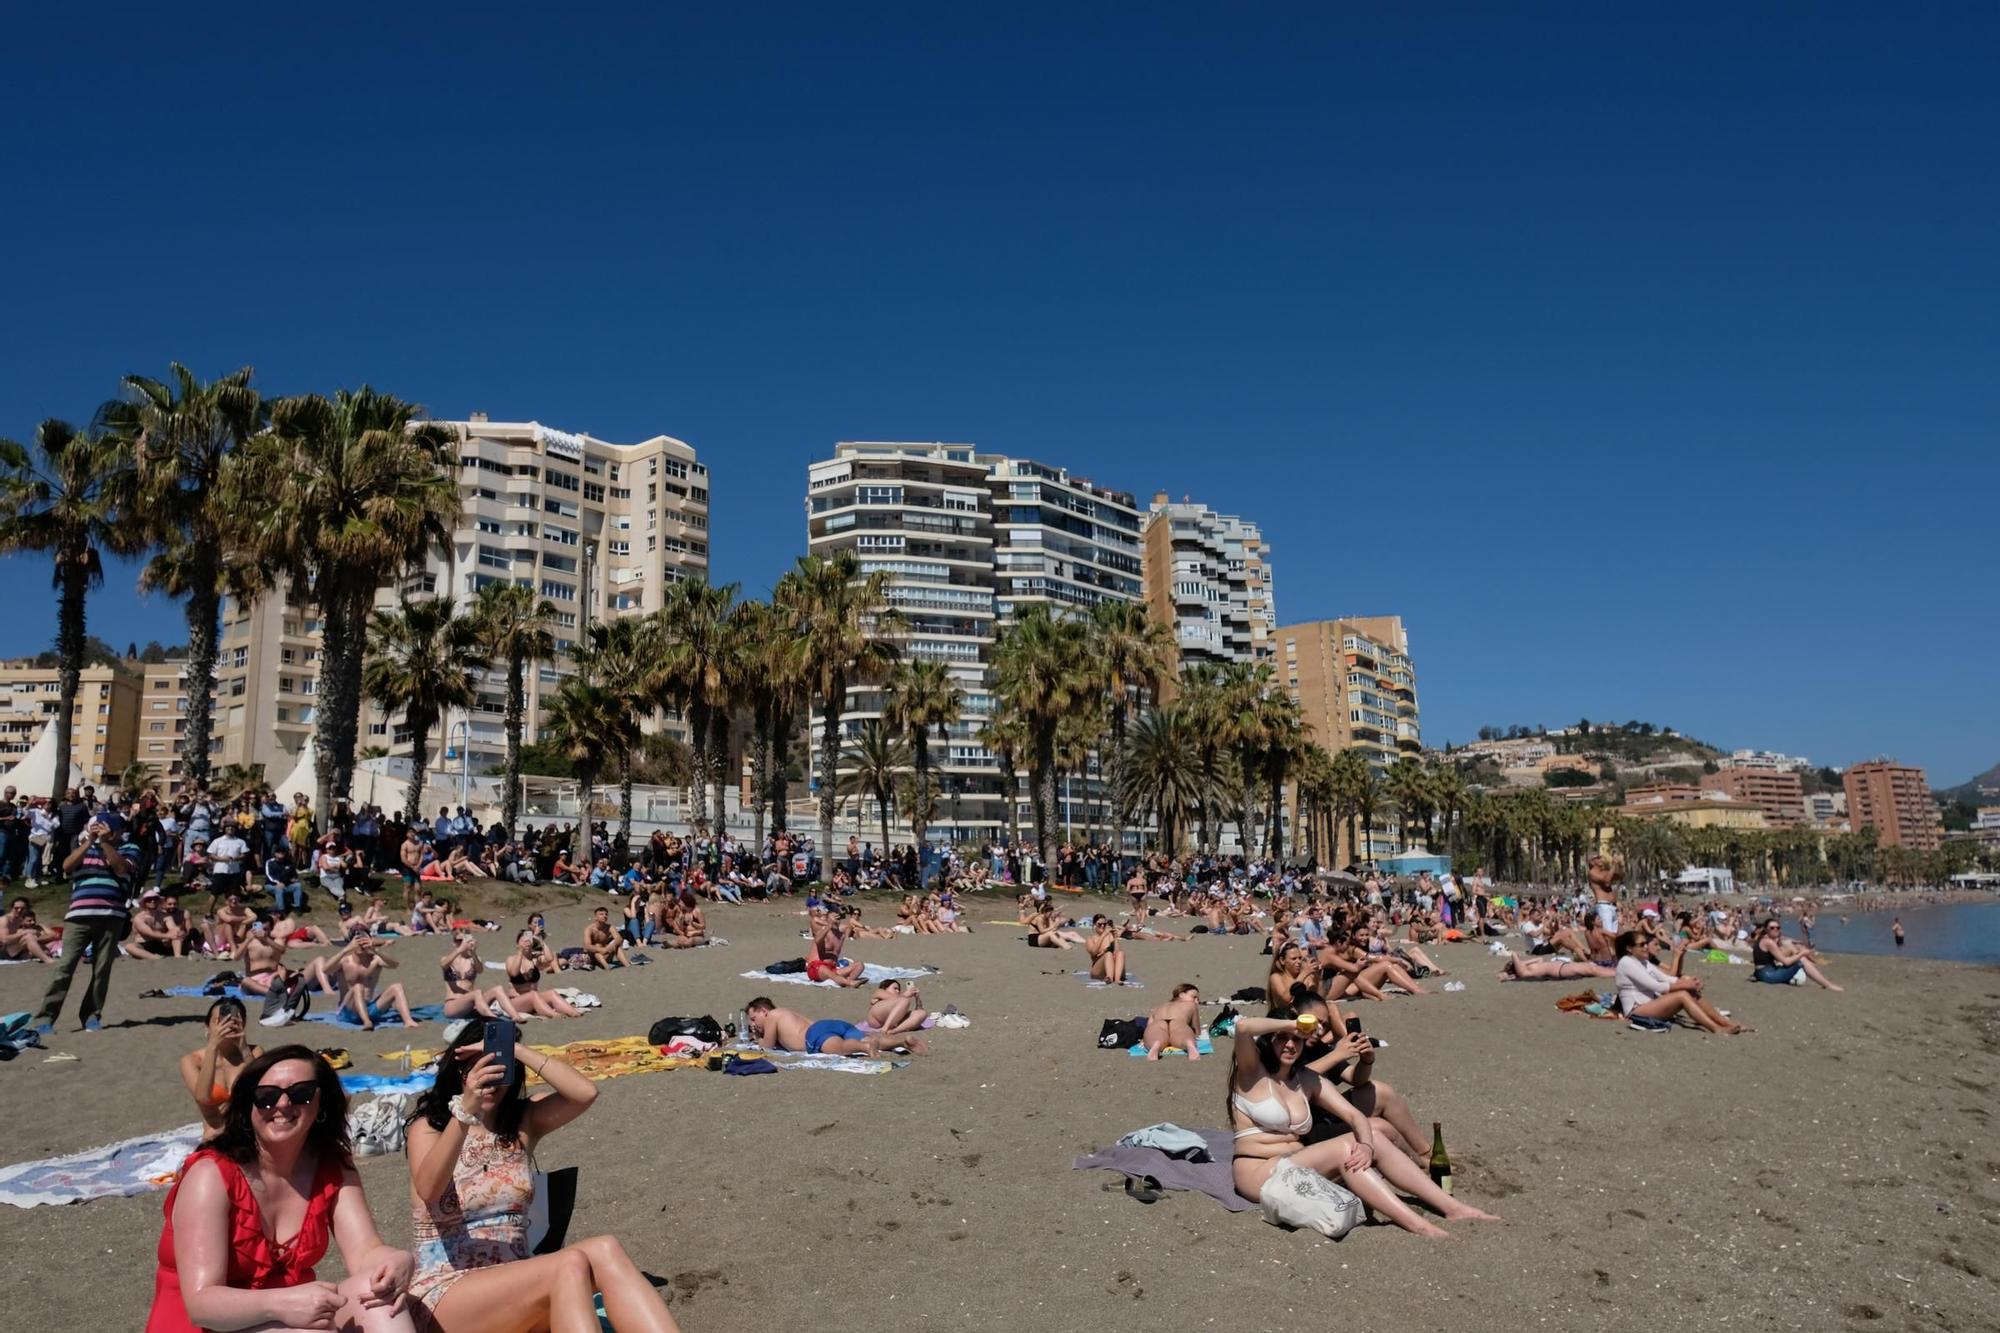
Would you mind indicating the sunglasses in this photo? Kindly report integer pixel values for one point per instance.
(268, 1095)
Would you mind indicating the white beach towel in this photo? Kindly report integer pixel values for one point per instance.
(131, 1166)
(874, 973)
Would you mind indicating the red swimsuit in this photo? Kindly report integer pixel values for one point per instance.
(256, 1262)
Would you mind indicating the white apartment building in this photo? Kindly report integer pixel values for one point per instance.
(1769, 760)
(600, 529)
(1061, 540)
(1208, 575)
(1824, 807)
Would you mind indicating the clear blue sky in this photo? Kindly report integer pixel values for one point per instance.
(1643, 358)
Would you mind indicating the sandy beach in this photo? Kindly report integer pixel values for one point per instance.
(1836, 1168)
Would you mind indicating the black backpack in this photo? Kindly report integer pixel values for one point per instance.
(786, 966)
(701, 1029)
(1119, 1034)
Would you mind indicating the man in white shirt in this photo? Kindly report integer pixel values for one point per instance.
(226, 855)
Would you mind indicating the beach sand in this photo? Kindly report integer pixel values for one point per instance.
(1835, 1169)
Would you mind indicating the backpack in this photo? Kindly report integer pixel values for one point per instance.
(1120, 1034)
(702, 1029)
(786, 967)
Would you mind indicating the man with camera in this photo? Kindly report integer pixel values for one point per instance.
(99, 874)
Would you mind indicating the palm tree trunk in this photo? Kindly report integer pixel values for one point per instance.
(1009, 785)
(829, 759)
(1246, 770)
(1275, 843)
(75, 580)
(1207, 794)
(918, 822)
(695, 797)
(624, 803)
(1043, 776)
(335, 633)
(510, 800)
(420, 763)
(760, 768)
(579, 852)
(781, 742)
(204, 622)
(718, 755)
(1116, 815)
(882, 798)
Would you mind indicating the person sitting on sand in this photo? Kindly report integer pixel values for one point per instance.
(1137, 928)
(1271, 1102)
(463, 973)
(823, 962)
(1644, 991)
(470, 1148)
(1776, 960)
(857, 929)
(783, 1030)
(525, 966)
(279, 1166)
(1294, 974)
(231, 925)
(22, 937)
(602, 945)
(1339, 1051)
(1044, 932)
(356, 970)
(1350, 971)
(1518, 968)
(263, 957)
(160, 929)
(1107, 955)
(896, 1006)
(211, 1071)
(1175, 1023)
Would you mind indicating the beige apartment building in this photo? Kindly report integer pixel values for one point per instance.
(1208, 577)
(1776, 791)
(1356, 688)
(159, 732)
(101, 724)
(600, 529)
(1896, 799)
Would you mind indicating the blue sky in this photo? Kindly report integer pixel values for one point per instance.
(1643, 359)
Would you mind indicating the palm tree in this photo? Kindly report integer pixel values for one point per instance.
(1135, 654)
(1041, 670)
(420, 661)
(514, 628)
(839, 618)
(1243, 688)
(1006, 738)
(1284, 740)
(185, 436)
(1351, 779)
(575, 720)
(136, 777)
(1207, 707)
(344, 495)
(1161, 771)
(1367, 799)
(232, 780)
(1409, 789)
(694, 671)
(70, 496)
(922, 694)
(1448, 797)
(760, 668)
(616, 657)
(1314, 783)
(1650, 847)
(875, 756)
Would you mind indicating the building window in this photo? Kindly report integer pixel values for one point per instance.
(563, 481)
(593, 492)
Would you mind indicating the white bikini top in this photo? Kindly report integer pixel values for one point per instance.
(1269, 1116)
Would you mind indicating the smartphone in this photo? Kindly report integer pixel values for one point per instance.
(501, 1036)
(1354, 1026)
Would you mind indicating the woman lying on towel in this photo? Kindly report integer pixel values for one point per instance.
(470, 1148)
(279, 1166)
(1271, 1102)
(1517, 968)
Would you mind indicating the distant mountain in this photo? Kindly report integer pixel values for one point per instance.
(1970, 790)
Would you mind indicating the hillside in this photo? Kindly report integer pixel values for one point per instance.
(1969, 791)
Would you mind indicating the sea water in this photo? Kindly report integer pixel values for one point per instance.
(1958, 932)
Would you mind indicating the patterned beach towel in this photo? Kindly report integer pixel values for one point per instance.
(130, 1166)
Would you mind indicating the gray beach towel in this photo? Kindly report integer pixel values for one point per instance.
(1213, 1178)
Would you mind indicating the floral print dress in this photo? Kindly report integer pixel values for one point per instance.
(479, 1221)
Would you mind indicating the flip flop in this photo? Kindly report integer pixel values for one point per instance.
(336, 1057)
(1146, 1189)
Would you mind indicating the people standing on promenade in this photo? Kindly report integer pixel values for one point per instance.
(96, 922)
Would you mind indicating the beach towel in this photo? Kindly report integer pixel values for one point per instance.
(595, 1060)
(1095, 984)
(1170, 1139)
(131, 1166)
(387, 1085)
(1587, 1003)
(1213, 1177)
(1201, 1046)
(422, 1013)
(873, 973)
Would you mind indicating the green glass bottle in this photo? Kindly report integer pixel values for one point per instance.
(1440, 1160)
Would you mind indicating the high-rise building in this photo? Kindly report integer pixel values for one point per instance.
(161, 729)
(1060, 539)
(107, 702)
(1896, 799)
(1208, 576)
(600, 529)
(1776, 791)
(1356, 688)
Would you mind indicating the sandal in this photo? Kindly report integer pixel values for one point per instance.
(1146, 1189)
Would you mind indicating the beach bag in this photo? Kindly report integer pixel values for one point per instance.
(1120, 1034)
(786, 967)
(376, 1128)
(1296, 1197)
(701, 1029)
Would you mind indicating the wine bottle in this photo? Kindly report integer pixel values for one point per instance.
(1440, 1160)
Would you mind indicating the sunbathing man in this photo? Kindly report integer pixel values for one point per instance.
(358, 968)
(602, 945)
(824, 963)
(22, 937)
(232, 925)
(896, 1007)
(1518, 968)
(1107, 956)
(1175, 1023)
(160, 929)
(263, 957)
(783, 1030)
(1044, 932)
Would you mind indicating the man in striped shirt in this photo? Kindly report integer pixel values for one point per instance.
(97, 919)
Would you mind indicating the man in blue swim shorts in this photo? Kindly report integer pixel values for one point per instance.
(784, 1030)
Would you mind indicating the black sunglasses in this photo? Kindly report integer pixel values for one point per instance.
(268, 1095)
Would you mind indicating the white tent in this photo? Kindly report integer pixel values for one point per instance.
(303, 777)
(35, 775)
(369, 786)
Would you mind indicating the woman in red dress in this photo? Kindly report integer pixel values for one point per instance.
(255, 1206)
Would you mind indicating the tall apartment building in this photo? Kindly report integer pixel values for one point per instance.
(100, 724)
(1776, 791)
(600, 529)
(1896, 799)
(1208, 575)
(160, 731)
(1060, 539)
(1356, 688)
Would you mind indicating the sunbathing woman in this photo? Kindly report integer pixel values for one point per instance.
(22, 938)
(279, 1166)
(1175, 1023)
(1107, 956)
(463, 995)
(472, 1184)
(211, 1071)
(1777, 960)
(1518, 968)
(1353, 1063)
(1271, 1101)
(531, 958)
(1351, 972)
(1044, 933)
(1294, 974)
(1644, 991)
(896, 1007)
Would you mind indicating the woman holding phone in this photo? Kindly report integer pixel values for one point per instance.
(470, 1147)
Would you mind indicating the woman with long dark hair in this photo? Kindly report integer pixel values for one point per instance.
(470, 1146)
(254, 1209)
(211, 1072)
